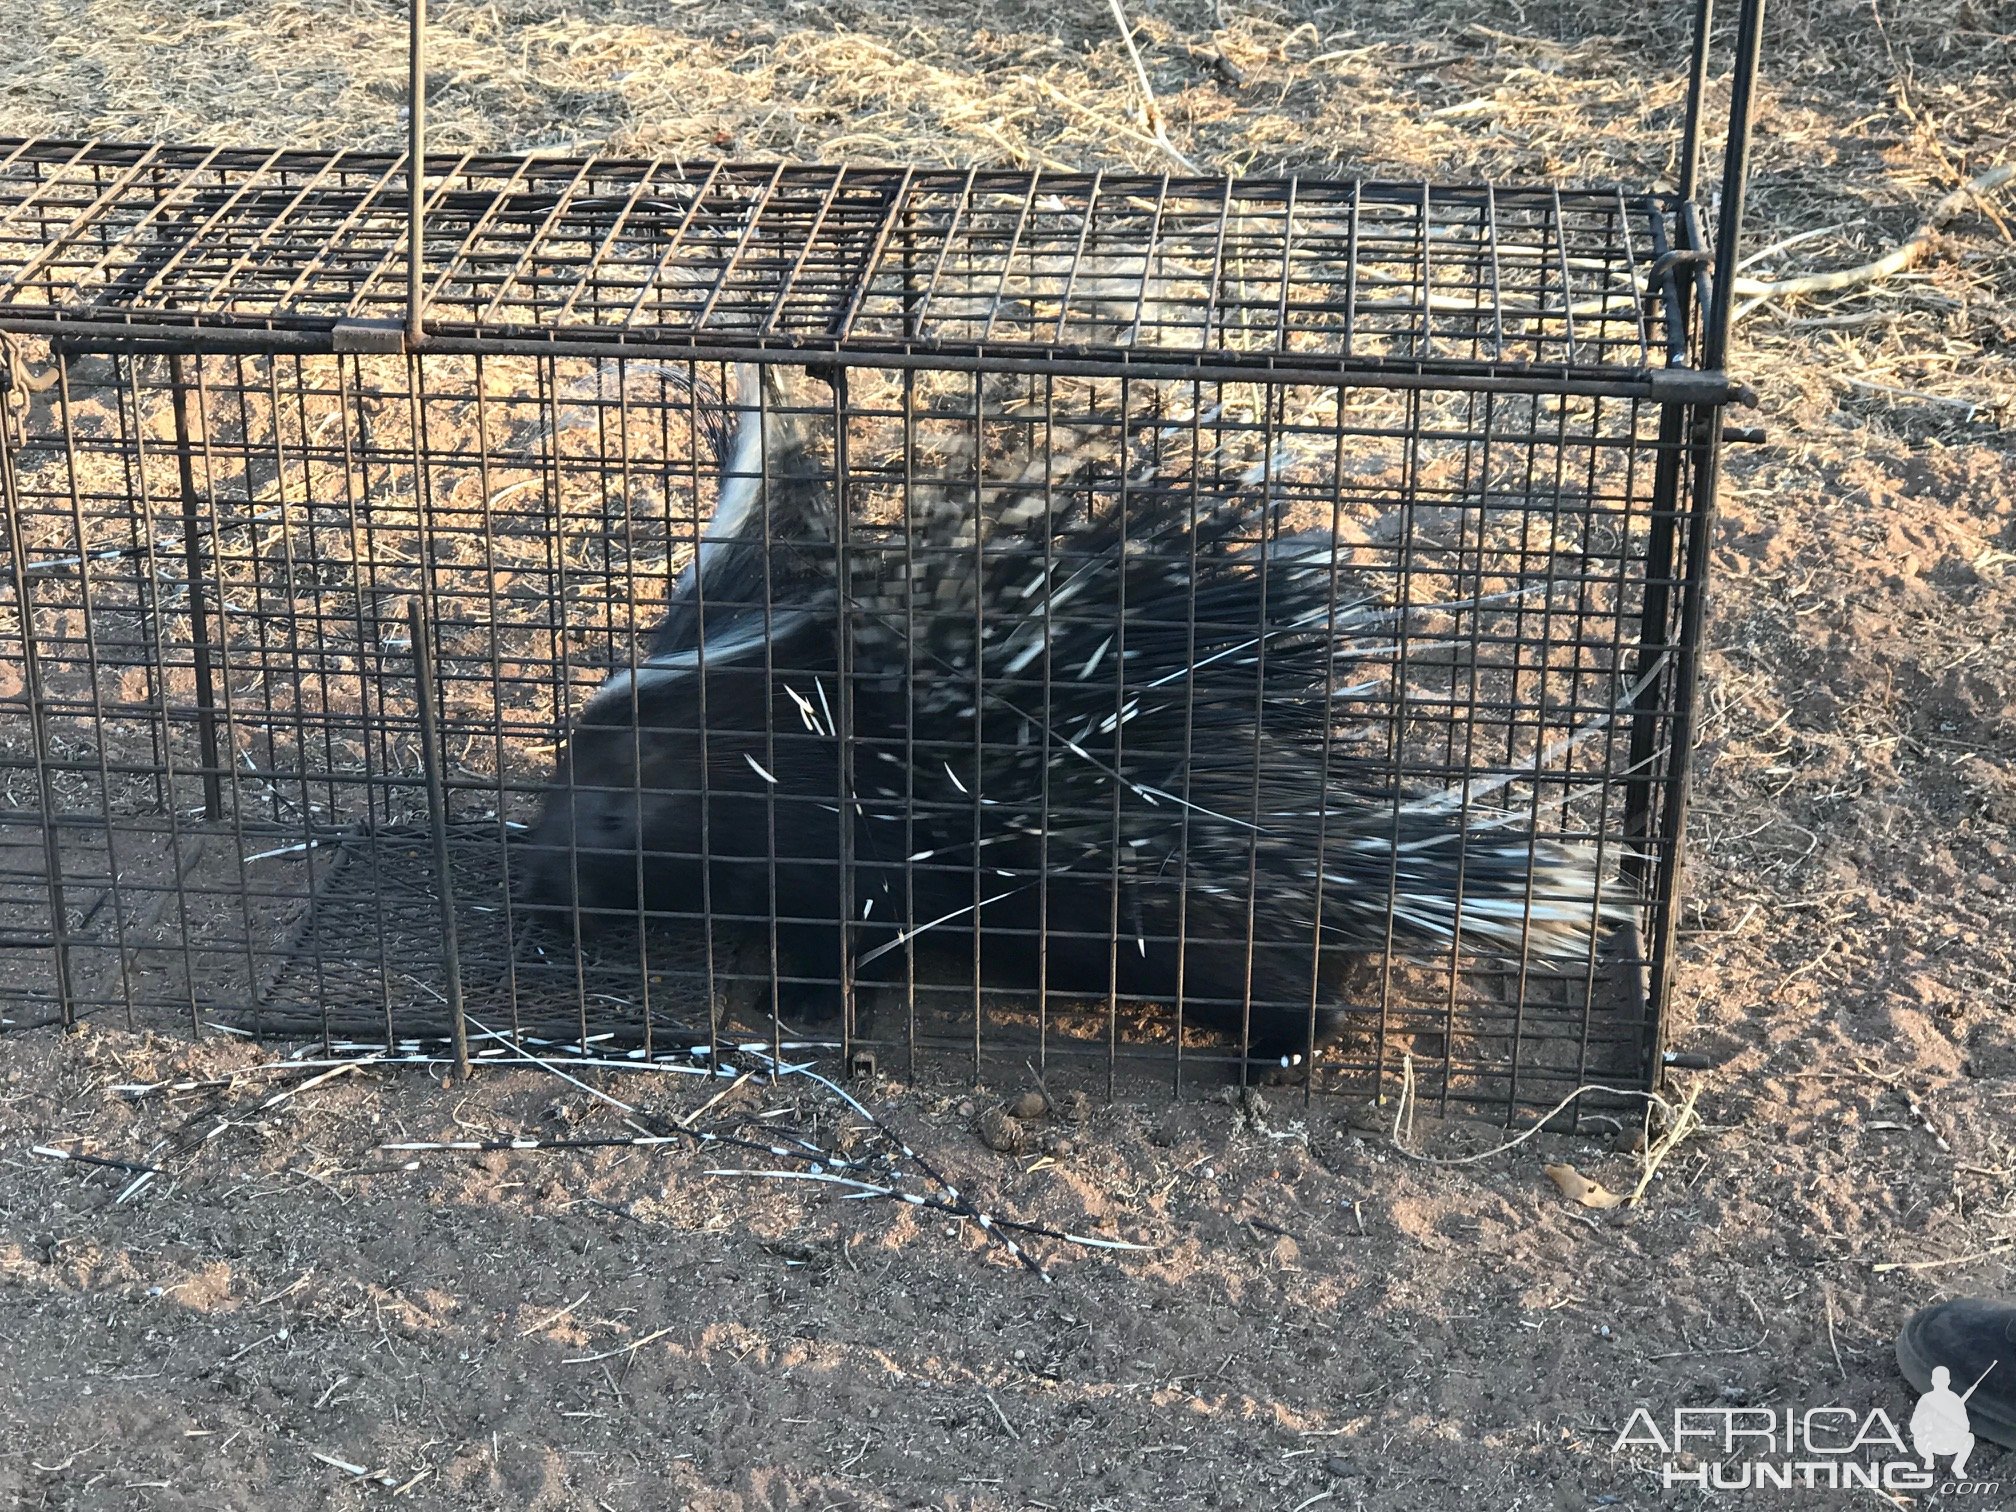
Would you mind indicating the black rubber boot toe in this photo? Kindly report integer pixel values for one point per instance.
(1967, 1336)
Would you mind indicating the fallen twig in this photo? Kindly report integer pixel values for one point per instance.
(1869, 386)
(1898, 259)
(1405, 1107)
(610, 1354)
(1883, 1266)
(1682, 1124)
(1150, 111)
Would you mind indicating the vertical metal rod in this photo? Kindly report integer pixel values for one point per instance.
(94, 667)
(1691, 577)
(437, 821)
(1655, 644)
(1704, 427)
(31, 673)
(977, 411)
(1735, 185)
(416, 164)
(167, 789)
(843, 696)
(1697, 91)
(908, 919)
(199, 617)
(910, 269)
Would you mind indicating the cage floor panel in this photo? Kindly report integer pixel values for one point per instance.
(371, 938)
(368, 945)
(555, 249)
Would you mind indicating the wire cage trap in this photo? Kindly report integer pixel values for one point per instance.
(1192, 612)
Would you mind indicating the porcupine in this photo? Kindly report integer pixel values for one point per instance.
(1172, 834)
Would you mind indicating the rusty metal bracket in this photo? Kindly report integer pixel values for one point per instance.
(367, 336)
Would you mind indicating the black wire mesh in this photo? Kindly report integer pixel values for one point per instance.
(1199, 615)
(859, 259)
(219, 812)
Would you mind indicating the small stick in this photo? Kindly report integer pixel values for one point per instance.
(1050, 1103)
(1832, 1342)
(610, 1354)
(1012, 1433)
(314, 1081)
(555, 1317)
(1870, 386)
(1906, 255)
(1149, 109)
(1407, 1083)
(1682, 1124)
(1883, 1266)
(694, 1117)
(279, 1333)
(1792, 241)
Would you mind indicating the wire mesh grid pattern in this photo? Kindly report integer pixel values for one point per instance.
(1137, 626)
(854, 258)
(223, 800)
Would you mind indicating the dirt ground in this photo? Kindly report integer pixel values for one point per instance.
(291, 1315)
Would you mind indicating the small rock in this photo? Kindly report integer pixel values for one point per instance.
(1000, 1132)
(1029, 1105)
(1339, 1466)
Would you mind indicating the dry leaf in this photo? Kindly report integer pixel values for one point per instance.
(1579, 1188)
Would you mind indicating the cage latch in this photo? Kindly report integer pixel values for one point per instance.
(367, 336)
(1681, 385)
(1679, 257)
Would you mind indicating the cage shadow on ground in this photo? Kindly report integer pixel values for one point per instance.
(364, 961)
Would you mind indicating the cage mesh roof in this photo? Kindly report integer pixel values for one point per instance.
(1247, 272)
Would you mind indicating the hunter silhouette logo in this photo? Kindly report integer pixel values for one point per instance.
(1939, 1425)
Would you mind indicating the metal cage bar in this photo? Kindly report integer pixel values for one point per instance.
(897, 581)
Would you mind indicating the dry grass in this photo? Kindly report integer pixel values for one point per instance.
(1868, 117)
